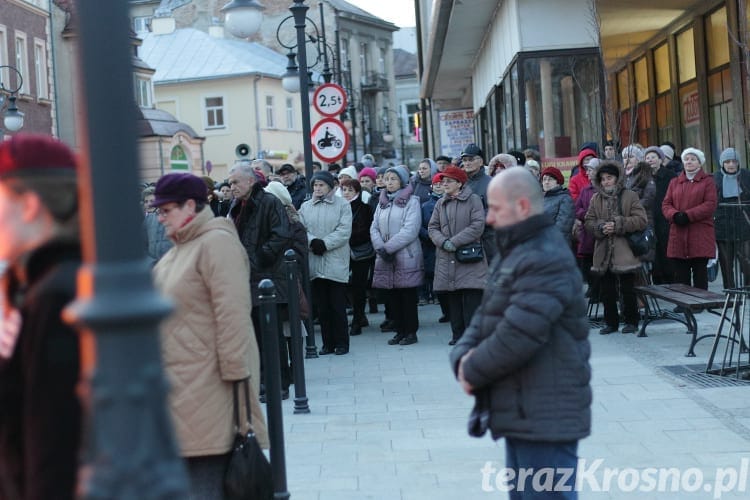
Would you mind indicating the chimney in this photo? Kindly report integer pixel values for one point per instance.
(162, 23)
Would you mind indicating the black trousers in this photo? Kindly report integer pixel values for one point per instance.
(359, 282)
(685, 269)
(462, 304)
(402, 309)
(729, 252)
(663, 270)
(608, 286)
(286, 373)
(330, 299)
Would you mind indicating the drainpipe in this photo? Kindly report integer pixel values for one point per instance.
(51, 55)
(161, 157)
(257, 114)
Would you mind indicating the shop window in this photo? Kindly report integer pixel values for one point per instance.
(717, 40)
(664, 124)
(720, 111)
(562, 104)
(640, 68)
(662, 73)
(643, 123)
(507, 122)
(685, 56)
(690, 118)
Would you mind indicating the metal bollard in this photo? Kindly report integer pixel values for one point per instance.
(298, 363)
(269, 325)
(311, 350)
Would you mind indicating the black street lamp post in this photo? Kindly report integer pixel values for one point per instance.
(12, 118)
(132, 452)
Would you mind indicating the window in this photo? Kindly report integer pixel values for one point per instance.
(178, 159)
(717, 41)
(381, 62)
(685, 56)
(640, 68)
(143, 95)
(40, 69)
(22, 60)
(214, 112)
(661, 68)
(270, 122)
(344, 50)
(290, 113)
(364, 62)
(141, 24)
(4, 54)
(623, 90)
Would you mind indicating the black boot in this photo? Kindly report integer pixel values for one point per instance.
(397, 339)
(409, 339)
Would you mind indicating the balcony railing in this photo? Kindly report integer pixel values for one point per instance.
(373, 81)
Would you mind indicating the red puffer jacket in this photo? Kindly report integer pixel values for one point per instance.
(581, 179)
(697, 198)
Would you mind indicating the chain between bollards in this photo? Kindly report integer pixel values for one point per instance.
(269, 325)
(295, 332)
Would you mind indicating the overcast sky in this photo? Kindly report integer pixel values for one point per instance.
(399, 12)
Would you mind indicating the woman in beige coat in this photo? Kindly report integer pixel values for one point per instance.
(208, 342)
(615, 211)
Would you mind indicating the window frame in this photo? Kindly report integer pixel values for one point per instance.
(218, 111)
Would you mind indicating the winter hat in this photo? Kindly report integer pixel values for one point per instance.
(324, 176)
(554, 173)
(437, 178)
(593, 163)
(728, 154)
(533, 164)
(402, 173)
(368, 172)
(696, 152)
(286, 168)
(279, 191)
(382, 170)
(179, 188)
(667, 150)
(36, 154)
(454, 173)
(351, 171)
(634, 151)
(472, 150)
(655, 149)
(368, 161)
(607, 168)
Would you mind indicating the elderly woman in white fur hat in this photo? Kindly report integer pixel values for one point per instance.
(689, 207)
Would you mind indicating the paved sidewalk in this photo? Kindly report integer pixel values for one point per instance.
(389, 422)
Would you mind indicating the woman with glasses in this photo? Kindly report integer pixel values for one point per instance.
(458, 221)
(157, 243)
(209, 341)
(399, 267)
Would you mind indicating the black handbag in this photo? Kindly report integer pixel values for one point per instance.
(468, 254)
(248, 474)
(363, 251)
(641, 242)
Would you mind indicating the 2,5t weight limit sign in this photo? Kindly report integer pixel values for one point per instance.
(329, 99)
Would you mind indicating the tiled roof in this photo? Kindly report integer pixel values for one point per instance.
(190, 54)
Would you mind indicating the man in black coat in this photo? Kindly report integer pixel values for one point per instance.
(40, 414)
(525, 354)
(264, 230)
(295, 184)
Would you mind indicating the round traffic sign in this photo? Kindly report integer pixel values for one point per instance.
(329, 138)
(329, 99)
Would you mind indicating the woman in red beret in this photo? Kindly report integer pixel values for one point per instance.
(557, 201)
(457, 222)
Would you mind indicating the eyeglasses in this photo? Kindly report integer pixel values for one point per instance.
(468, 158)
(448, 180)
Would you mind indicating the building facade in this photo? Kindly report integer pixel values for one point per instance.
(555, 74)
(25, 39)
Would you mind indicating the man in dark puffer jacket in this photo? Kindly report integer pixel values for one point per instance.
(526, 350)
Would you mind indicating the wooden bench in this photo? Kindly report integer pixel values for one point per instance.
(689, 299)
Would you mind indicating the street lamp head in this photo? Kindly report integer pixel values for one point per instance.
(388, 137)
(13, 119)
(243, 17)
(290, 79)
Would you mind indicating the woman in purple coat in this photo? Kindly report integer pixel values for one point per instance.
(399, 266)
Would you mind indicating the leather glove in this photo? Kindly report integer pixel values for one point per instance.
(387, 257)
(318, 246)
(681, 219)
(448, 246)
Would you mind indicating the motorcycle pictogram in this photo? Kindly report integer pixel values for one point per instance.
(329, 140)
